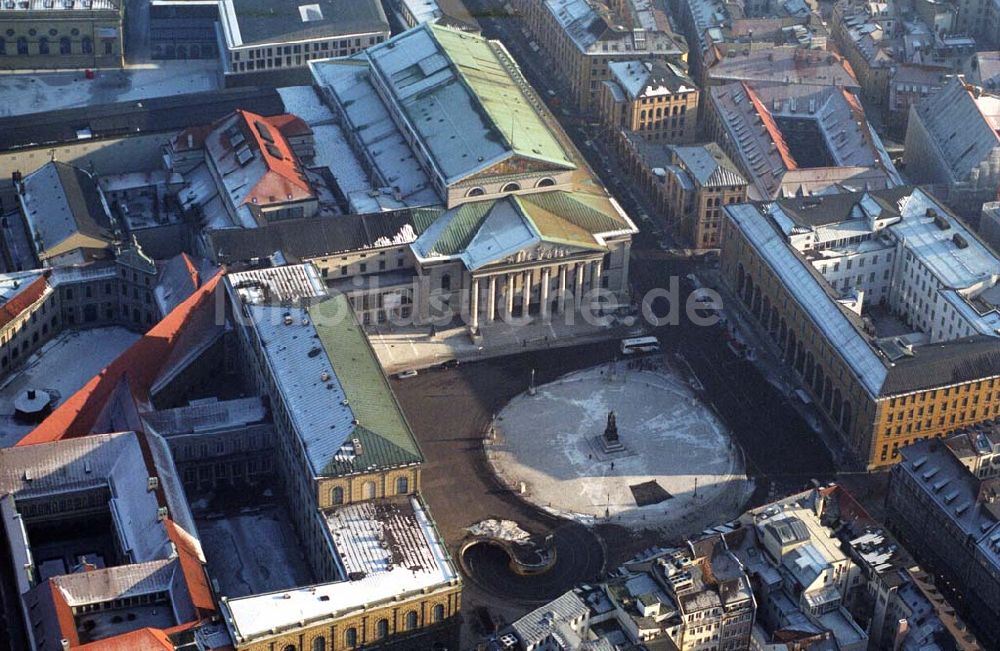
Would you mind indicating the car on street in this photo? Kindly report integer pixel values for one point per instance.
(402, 375)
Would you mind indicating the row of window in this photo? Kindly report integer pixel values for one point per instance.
(45, 46)
(352, 639)
(368, 490)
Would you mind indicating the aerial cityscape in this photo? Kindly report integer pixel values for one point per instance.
(500, 325)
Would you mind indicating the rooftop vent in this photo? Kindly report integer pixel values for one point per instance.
(960, 241)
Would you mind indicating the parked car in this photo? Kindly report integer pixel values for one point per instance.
(402, 375)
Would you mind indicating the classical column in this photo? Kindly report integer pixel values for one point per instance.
(597, 273)
(474, 305)
(561, 299)
(543, 295)
(578, 283)
(509, 298)
(491, 306)
(525, 292)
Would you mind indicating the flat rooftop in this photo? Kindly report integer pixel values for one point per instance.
(390, 547)
(259, 22)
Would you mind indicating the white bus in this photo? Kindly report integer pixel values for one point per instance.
(640, 345)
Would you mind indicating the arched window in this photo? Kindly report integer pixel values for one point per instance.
(22, 45)
(351, 637)
(319, 644)
(369, 490)
(545, 183)
(446, 282)
(65, 46)
(510, 187)
(402, 485)
(3, 46)
(437, 614)
(475, 192)
(337, 495)
(289, 647)
(43, 45)
(411, 618)
(87, 45)
(382, 629)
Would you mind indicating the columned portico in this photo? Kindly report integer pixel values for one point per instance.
(543, 295)
(474, 306)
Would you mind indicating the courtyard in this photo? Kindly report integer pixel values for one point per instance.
(675, 460)
(62, 366)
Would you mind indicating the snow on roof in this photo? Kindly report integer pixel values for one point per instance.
(207, 416)
(537, 625)
(646, 28)
(335, 153)
(413, 560)
(114, 461)
(278, 285)
(953, 265)
(649, 79)
(503, 233)
(810, 295)
(366, 118)
(306, 103)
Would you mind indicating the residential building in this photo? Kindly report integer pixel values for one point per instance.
(911, 83)
(60, 34)
(943, 502)
(101, 541)
(717, 29)
(884, 303)
(508, 219)
(657, 100)
(880, 39)
(952, 139)
(182, 29)
(262, 37)
(688, 186)
(797, 140)
(582, 37)
(782, 65)
(692, 597)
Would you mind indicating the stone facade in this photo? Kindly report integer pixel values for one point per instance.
(60, 34)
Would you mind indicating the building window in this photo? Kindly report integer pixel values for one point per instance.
(411, 620)
(22, 46)
(319, 644)
(402, 486)
(475, 192)
(446, 282)
(337, 495)
(351, 637)
(368, 491)
(545, 183)
(87, 45)
(3, 46)
(382, 629)
(510, 187)
(43, 45)
(437, 614)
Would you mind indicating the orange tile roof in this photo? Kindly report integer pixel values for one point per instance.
(194, 572)
(64, 614)
(192, 269)
(143, 639)
(138, 366)
(772, 128)
(23, 299)
(290, 125)
(285, 180)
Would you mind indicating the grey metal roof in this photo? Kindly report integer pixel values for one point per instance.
(539, 623)
(270, 21)
(709, 165)
(962, 134)
(62, 201)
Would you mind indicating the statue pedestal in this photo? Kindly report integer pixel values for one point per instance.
(610, 445)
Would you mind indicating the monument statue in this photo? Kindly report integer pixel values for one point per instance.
(611, 431)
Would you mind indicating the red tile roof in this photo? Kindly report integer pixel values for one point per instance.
(772, 128)
(290, 125)
(23, 299)
(191, 565)
(138, 366)
(285, 180)
(143, 639)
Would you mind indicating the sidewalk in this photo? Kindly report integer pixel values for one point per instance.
(769, 362)
(412, 347)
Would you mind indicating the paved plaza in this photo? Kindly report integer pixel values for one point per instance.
(678, 464)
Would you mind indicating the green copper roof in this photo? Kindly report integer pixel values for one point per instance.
(503, 92)
(385, 436)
